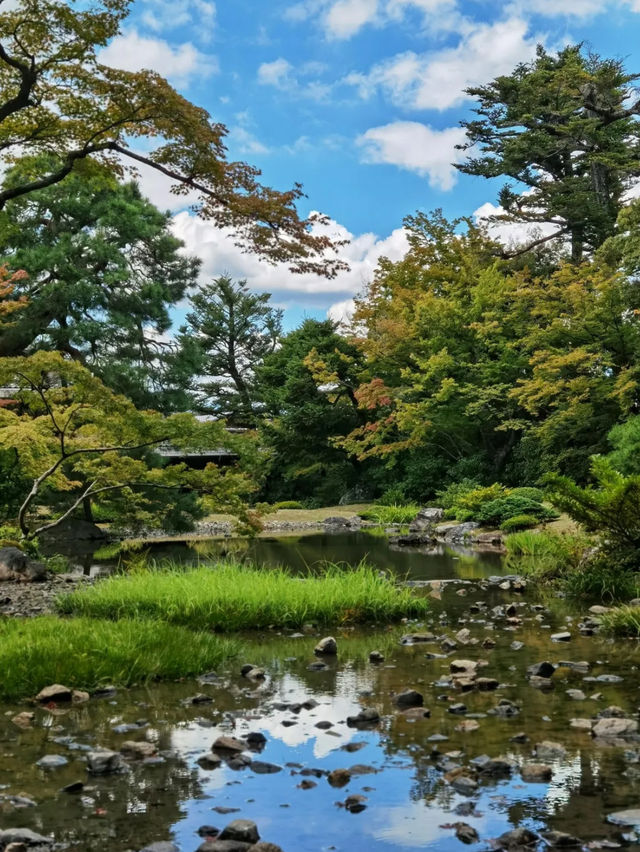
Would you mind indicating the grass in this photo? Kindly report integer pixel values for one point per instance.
(85, 653)
(228, 597)
(397, 514)
(316, 516)
(621, 621)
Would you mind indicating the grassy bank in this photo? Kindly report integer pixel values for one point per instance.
(86, 653)
(621, 621)
(570, 562)
(230, 597)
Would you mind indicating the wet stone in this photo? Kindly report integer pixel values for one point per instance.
(548, 750)
(230, 744)
(161, 846)
(327, 646)
(536, 772)
(457, 709)
(466, 833)
(544, 669)
(52, 761)
(611, 728)
(563, 636)
(409, 698)
(105, 763)
(260, 767)
(517, 840)
(244, 830)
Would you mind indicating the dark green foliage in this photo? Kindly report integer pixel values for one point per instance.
(564, 127)
(496, 512)
(103, 270)
(625, 441)
(236, 329)
(308, 388)
(519, 522)
(13, 484)
(529, 492)
(610, 508)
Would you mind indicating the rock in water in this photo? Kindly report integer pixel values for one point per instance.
(535, 773)
(614, 728)
(327, 646)
(25, 836)
(409, 698)
(105, 762)
(55, 692)
(544, 669)
(241, 829)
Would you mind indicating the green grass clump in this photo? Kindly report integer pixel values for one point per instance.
(85, 654)
(621, 621)
(397, 514)
(544, 554)
(229, 597)
(288, 504)
(519, 522)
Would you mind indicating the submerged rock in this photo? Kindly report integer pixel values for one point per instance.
(536, 772)
(608, 728)
(548, 750)
(26, 837)
(516, 840)
(105, 762)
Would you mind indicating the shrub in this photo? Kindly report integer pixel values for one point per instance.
(519, 522)
(228, 597)
(598, 578)
(288, 504)
(495, 512)
(449, 498)
(473, 501)
(622, 621)
(85, 653)
(393, 496)
(546, 555)
(529, 492)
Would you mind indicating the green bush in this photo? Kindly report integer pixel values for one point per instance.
(288, 504)
(395, 495)
(529, 492)
(519, 522)
(622, 621)
(85, 653)
(496, 512)
(449, 498)
(600, 579)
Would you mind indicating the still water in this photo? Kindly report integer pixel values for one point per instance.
(399, 765)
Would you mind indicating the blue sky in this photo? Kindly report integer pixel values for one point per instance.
(360, 100)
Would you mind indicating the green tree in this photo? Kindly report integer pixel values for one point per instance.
(103, 270)
(308, 386)
(57, 98)
(236, 329)
(77, 441)
(565, 129)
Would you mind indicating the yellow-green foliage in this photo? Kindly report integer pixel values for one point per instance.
(622, 621)
(229, 597)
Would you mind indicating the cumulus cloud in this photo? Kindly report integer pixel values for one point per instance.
(178, 63)
(278, 73)
(417, 148)
(219, 255)
(436, 80)
(510, 234)
(161, 15)
(346, 17)
(342, 19)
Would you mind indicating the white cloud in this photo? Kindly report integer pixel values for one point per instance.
(510, 234)
(219, 255)
(170, 14)
(242, 141)
(277, 73)
(437, 80)
(134, 52)
(346, 17)
(562, 8)
(342, 312)
(417, 148)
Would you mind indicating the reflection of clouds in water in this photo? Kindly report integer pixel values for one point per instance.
(566, 780)
(417, 824)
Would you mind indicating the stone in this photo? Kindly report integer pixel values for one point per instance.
(79, 696)
(467, 666)
(487, 684)
(56, 692)
(368, 716)
(426, 519)
(25, 836)
(575, 694)
(376, 657)
(497, 767)
(409, 698)
(544, 683)
(467, 726)
(355, 804)
(457, 709)
(628, 817)
(339, 777)
(327, 646)
(534, 773)
(548, 750)
(13, 563)
(416, 638)
(244, 830)
(457, 533)
(52, 761)
(137, 750)
(463, 636)
(464, 784)
(607, 728)
(505, 708)
(256, 740)
(517, 839)
(544, 669)
(563, 636)
(209, 761)
(105, 762)
(260, 767)
(161, 846)
(229, 744)
(224, 846)
(562, 840)
(24, 719)
(253, 672)
(74, 529)
(581, 724)
(466, 833)
(264, 847)
(516, 645)
(337, 521)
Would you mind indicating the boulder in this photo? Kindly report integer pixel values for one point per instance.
(376, 657)
(56, 692)
(74, 529)
(607, 728)
(337, 521)
(229, 744)
(326, 647)
(244, 830)
(536, 772)
(628, 817)
(456, 533)
(544, 669)
(161, 846)
(25, 836)
(366, 717)
(426, 519)
(409, 698)
(517, 839)
(548, 750)
(137, 749)
(16, 565)
(105, 762)
(467, 666)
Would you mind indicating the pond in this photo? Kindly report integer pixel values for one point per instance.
(405, 766)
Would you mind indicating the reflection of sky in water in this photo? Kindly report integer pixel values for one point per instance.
(398, 817)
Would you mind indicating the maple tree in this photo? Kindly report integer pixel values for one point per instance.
(57, 98)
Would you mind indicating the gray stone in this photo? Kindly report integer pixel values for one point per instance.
(628, 817)
(457, 533)
(575, 694)
(244, 830)
(327, 647)
(260, 767)
(218, 845)
(607, 728)
(209, 761)
(13, 563)
(230, 744)
(52, 761)
(161, 846)
(563, 636)
(466, 833)
(536, 772)
(416, 638)
(409, 698)
(544, 669)
(105, 762)
(426, 519)
(368, 716)
(376, 657)
(517, 839)
(548, 750)
(25, 836)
